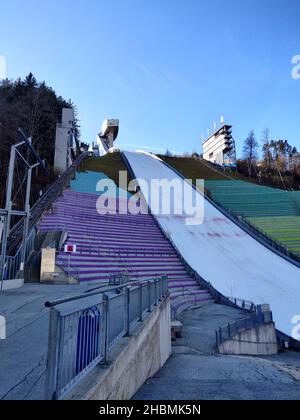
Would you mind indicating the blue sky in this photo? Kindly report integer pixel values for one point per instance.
(168, 69)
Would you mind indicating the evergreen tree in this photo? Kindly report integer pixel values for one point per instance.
(36, 108)
(267, 155)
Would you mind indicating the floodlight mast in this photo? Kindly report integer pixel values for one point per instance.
(8, 212)
(33, 151)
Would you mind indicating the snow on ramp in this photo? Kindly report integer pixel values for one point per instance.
(226, 256)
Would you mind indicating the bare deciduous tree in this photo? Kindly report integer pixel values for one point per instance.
(250, 152)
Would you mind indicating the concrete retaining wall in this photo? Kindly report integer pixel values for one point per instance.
(12, 284)
(132, 362)
(259, 341)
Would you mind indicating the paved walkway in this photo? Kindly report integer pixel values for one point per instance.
(193, 372)
(196, 372)
(23, 353)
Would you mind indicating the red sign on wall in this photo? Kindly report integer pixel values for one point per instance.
(70, 249)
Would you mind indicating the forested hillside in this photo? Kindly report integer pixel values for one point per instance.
(36, 108)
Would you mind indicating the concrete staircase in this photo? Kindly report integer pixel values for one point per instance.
(113, 244)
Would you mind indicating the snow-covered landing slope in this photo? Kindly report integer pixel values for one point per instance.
(223, 254)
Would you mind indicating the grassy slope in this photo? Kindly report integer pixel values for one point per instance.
(110, 164)
(193, 169)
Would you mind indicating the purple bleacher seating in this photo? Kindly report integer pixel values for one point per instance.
(111, 244)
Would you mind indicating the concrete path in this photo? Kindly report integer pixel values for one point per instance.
(193, 372)
(23, 353)
(196, 372)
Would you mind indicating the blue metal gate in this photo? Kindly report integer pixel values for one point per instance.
(88, 340)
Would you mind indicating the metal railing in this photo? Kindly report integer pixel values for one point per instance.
(246, 305)
(174, 314)
(32, 271)
(105, 250)
(232, 329)
(43, 203)
(121, 278)
(108, 219)
(69, 270)
(118, 251)
(189, 299)
(127, 267)
(83, 329)
(12, 266)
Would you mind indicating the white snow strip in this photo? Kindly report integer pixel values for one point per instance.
(230, 259)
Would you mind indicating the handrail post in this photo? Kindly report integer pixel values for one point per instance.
(149, 297)
(53, 356)
(166, 285)
(106, 328)
(141, 303)
(127, 312)
(155, 298)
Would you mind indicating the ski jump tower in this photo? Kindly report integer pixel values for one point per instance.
(65, 142)
(108, 135)
(219, 148)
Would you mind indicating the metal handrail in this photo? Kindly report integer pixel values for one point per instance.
(85, 328)
(107, 218)
(244, 324)
(43, 203)
(174, 314)
(243, 304)
(125, 251)
(12, 267)
(69, 270)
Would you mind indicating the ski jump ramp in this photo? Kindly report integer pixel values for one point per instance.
(225, 255)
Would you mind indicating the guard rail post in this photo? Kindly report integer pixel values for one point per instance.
(127, 311)
(52, 359)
